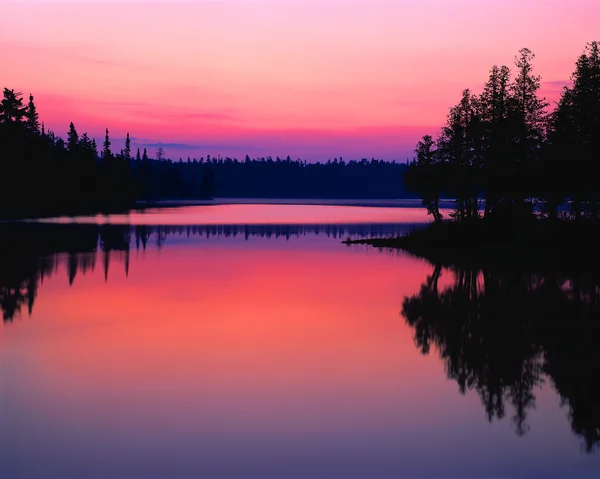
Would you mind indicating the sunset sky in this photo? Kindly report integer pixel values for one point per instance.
(312, 79)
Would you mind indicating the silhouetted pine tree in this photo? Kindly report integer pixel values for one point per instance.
(503, 146)
(106, 153)
(72, 138)
(32, 117)
(11, 107)
(127, 150)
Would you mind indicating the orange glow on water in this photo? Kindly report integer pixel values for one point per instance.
(266, 355)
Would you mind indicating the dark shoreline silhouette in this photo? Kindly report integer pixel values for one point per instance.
(503, 155)
(541, 245)
(525, 180)
(43, 175)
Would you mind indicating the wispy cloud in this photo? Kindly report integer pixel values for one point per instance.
(179, 146)
(559, 83)
(182, 114)
(73, 54)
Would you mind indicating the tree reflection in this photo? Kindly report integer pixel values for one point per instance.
(501, 333)
(30, 252)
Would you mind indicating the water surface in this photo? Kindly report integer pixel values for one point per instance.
(232, 343)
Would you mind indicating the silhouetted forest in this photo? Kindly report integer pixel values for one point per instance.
(503, 332)
(286, 178)
(503, 154)
(41, 173)
(30, 252)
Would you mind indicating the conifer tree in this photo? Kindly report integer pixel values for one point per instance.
(106, 153)
(72, 138)
(493, 109)
(127, 150)
(11, 107)
(85, 141)
(457, 147)
(575, 133)
(424, 176)
(32, 116)
(529, 121)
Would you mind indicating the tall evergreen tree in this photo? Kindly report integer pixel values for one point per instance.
(427, 168)
(85, 142)
(457, 147)
(72, 138)
(106, 153)
(145, 155)
(11, 107)
(493, 109)
(575, 133)
(127, 150)
(138, 157)
(529, 121)
(32, 116)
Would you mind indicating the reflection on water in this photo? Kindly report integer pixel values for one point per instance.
(253, 214)
(31, 252)
(274, 351)
(502, 333)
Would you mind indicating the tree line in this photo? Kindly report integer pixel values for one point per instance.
(42, 173)
(278, 177)
(502, 153)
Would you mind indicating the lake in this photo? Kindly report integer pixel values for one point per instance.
(246, 341)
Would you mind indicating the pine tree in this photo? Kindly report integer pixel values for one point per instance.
(72, 138)
(127, 151)
(145, 155)
(85, 142)
(424, 175)
(32, 117)
(493, 108)
(529, 123)
(106, 153)
(458, 148)
(575, 133)
(11, 107)
(138, 157)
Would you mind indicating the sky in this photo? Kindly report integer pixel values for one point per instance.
(315, 79)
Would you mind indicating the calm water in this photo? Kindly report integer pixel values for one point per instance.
(242, 341)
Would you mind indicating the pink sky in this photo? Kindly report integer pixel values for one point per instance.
(312, 79)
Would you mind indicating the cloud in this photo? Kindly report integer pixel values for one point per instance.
(179, 146)
(181, 114)
(559, 83)
(67, 51)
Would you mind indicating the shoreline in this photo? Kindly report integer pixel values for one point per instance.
(363, 202)
(181, 203)
(531, 245)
